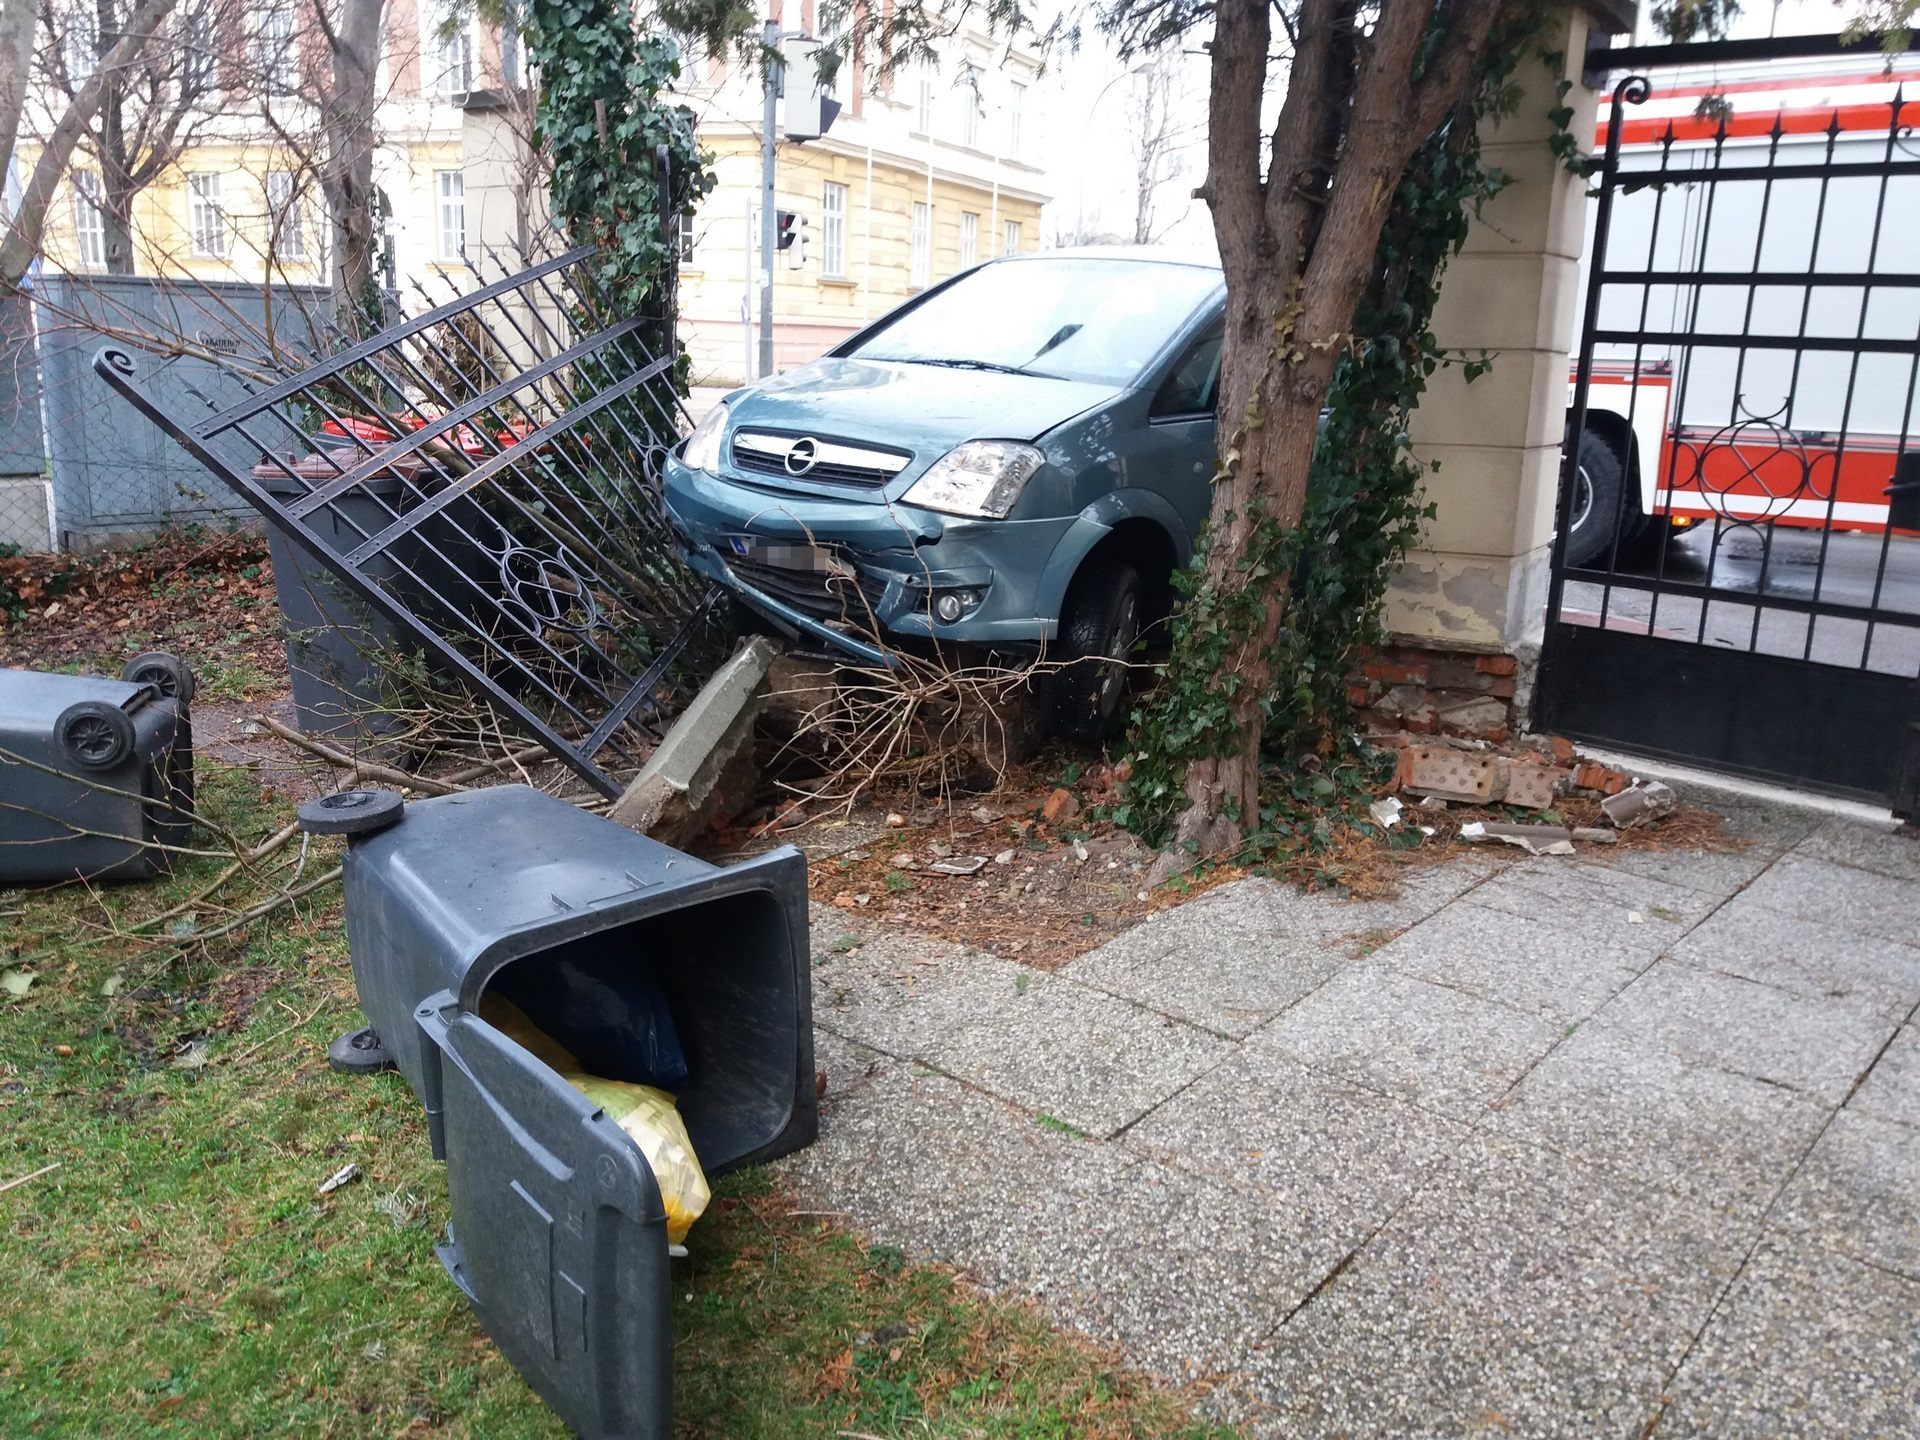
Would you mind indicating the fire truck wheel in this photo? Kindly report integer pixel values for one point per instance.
(1599, 509)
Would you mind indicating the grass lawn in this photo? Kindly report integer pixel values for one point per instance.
(178, 1274)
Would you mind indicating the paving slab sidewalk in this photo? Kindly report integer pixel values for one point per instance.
(1625, 1144)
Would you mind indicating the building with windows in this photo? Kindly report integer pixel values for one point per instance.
(243, 200)
(924, 173)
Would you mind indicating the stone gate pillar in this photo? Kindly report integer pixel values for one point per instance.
(1465, 613)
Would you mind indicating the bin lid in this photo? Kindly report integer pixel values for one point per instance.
(557, 1235)
(311, 471)
(31, 700)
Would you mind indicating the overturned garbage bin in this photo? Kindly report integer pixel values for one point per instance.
(601, 937)
(96, 775)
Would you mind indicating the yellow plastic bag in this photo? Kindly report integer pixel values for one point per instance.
(648, 1116)
(511, 1021)
(650, 1119)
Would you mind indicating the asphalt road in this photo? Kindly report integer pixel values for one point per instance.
(1861, 569)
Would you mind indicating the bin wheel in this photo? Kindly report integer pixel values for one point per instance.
(95, 734)
(167, 674)
(351, 812)
(359, 1052)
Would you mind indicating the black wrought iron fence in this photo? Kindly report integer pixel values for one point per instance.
(486, 476)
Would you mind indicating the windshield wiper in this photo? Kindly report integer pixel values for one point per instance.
(951, 364)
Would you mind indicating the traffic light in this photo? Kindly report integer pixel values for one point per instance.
(793, 236)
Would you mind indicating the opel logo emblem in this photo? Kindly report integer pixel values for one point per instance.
(802, 455)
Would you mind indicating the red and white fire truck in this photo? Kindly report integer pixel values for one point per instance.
(1735, 429)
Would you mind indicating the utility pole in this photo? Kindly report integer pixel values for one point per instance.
(775, 65)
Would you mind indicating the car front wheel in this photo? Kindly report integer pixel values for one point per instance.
(1085, 699)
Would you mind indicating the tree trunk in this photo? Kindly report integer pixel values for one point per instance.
(117, 190)
(21, 243)
(1297, 246)
(347, 115)
(17, 19)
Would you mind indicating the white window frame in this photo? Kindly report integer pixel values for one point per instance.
(450, 206)
(275, 49)
(969, 238)
(969, 96)
(286, 218)
(1010, 238)
(89, 221)
(1016, 111)
(206, 216)
(454, 54)
(922, 244)
(833, 230)
(923, 104)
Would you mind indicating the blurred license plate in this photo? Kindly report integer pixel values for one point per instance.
(816, 558)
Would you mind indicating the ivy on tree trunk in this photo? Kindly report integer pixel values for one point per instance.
(1332, 258)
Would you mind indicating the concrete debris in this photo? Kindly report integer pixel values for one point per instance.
(344, 1176)
(703, 770)
(1537, 839)
(1641, 803)
(1386, 812)
(959, 865)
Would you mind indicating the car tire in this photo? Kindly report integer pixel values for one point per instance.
(1101, 623)
(1598, 513)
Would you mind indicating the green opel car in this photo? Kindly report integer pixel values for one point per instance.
(1017, 459)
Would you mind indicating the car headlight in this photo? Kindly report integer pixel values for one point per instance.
(702, 450)
(981, 477)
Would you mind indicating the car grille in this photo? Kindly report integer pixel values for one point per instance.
(824, 596)
(835, 462)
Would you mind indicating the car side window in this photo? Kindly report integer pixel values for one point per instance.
(1191, 385)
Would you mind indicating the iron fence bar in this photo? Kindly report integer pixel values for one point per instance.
(1639, 350)
(1853, 378)
(500, 449)
(452, 420)
(487, 595)
(650, 679)
(1803, 170)
(1886, 531)
(1726, 340)
(558, 451)
(381, 339)
(1785, 279)
(1707, 590)
(1699, 247)
(1740, 361)
(486, 470)
(567, 279)
(117, 367)
(1635, 90)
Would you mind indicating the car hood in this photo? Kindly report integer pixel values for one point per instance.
(927, 409)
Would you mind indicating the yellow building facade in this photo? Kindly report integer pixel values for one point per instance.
(924, 173)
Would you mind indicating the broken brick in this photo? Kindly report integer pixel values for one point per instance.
(1060, 806)
(1495, 664)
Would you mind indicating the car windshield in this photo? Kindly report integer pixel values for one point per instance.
(1071, 318)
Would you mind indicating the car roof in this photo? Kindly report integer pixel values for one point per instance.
(1138, 254)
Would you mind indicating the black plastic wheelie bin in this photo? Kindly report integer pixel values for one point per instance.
(96, 775)
(557, 1232)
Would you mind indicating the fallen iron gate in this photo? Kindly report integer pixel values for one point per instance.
(486, 476)
(1731, 583)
